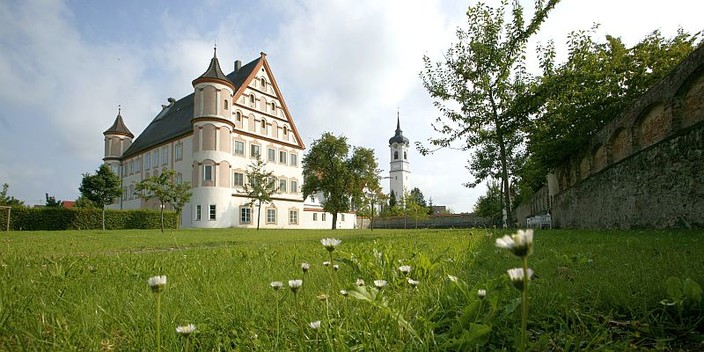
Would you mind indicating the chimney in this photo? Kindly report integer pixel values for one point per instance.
(238, 65)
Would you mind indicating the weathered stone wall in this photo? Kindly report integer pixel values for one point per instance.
(645, 168)
(433, 221)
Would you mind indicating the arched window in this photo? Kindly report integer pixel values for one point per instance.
(396, 155)
(263, 124)
(285, 130)
(273, 106)
(251, 99)
(226, 104)
(238, 116)
(263, 82)
(405, 156)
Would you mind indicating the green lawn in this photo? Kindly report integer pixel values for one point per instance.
(593, 290)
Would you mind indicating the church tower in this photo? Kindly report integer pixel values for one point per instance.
(117, 139)
(400, 170)
(212, 131)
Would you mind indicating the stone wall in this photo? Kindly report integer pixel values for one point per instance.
(434, 221)
(645, 168)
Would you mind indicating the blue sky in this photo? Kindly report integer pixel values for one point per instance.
(343, 66)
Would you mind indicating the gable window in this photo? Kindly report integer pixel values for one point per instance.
(238, 179)
(282, 158)
(271, 216)
(273, 106)
(254, 151)
(294, 160)
(293, 217)
(211, 212)
(207, 172)
(285, 130)
(271, 155)
(282, 186)
(198, 213)
(179, 151)
(245, 215)
(239, 148)
(251, 98)
(263, 82)
(294, 187)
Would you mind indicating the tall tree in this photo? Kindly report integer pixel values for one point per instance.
(329, 168)
(8, 200)
(573, 100)
(101, 188)
(260, 186)
(474, 88)
(166, 190)
(415, 206)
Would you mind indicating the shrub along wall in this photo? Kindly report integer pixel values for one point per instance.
(31, 219)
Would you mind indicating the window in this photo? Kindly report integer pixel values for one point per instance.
(273, 106)
(294, 187)
(131, 167)
(271, 216)
(131, 195)
(271, 155)
(238, 179)
(282, 158)
(396, 155)
(282, 186)
(251, 99)
(293, 217)
(239, 148)
(323, 216)
(179, 151)
(226, 104)
(342, 217)
(238, 116)
(147, 161)
(179, 178)
(263, 125)
(207, 172)
(245, 215)
(198, 213)
(211, 212)
(254, 151)
(137, 166)
(165, 155)
(285, 130)
(315, 216)
(294, 160)
(405, 156)
(155, 158)
(263, 82)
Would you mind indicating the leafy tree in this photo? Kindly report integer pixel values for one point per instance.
(415, 206)
(260, 186)
(600, 79)
(342, 178)
(475, 87)
(166, 190)
(392, 199)
(101, 188)
(489, 205)
(8, 200)
(51, 202)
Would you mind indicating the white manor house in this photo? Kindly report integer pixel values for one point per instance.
(209, 138)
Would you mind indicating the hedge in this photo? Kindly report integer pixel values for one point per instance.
(32, 219)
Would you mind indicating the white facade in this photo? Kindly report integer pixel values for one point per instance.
(399, 172)
(230, 128)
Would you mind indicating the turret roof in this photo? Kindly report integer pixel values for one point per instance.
(213, 72)
(398, 137)
(119, 127)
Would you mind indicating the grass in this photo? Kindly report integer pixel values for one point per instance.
(595, 290)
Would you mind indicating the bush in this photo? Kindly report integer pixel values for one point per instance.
(33, 219)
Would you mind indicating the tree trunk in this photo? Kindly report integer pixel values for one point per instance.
(334, 220)
(103, 221)
(504, 182)
(259, 213)
(162, 217)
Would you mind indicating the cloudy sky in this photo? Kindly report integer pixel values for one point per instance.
(342, 66)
